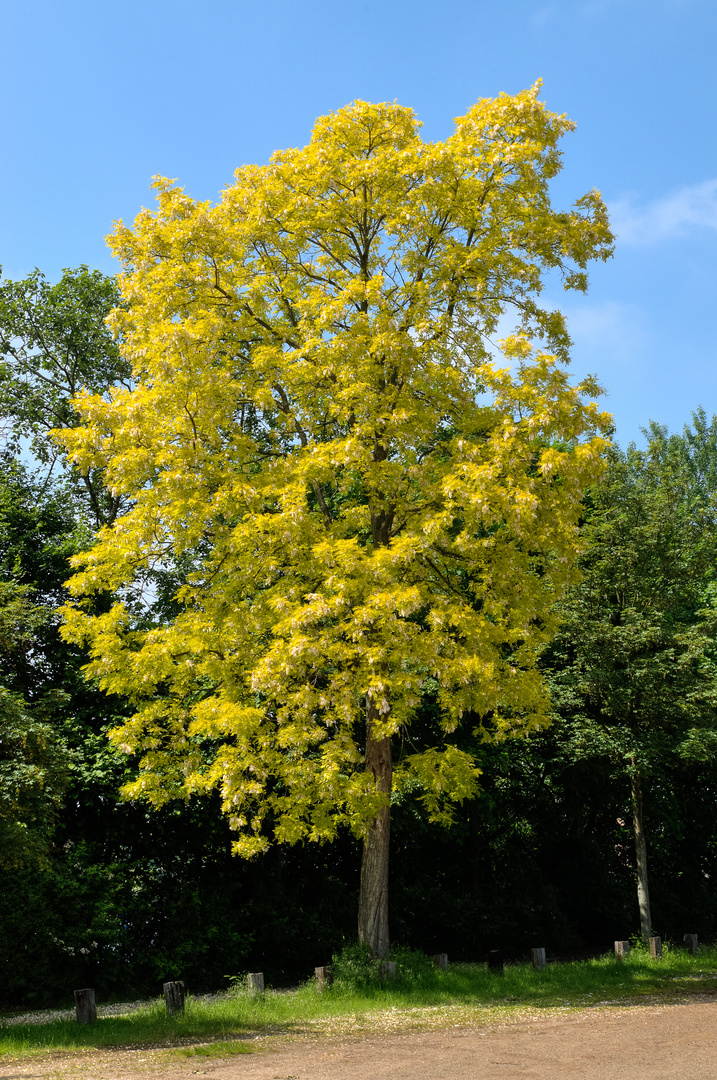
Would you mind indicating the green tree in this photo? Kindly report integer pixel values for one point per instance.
(54, 341)
(33, 760)
(634, 670)
(368, 506)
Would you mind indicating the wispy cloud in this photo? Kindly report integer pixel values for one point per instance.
(607, 333)
(693, 207)
(598, 7)
(543, 14)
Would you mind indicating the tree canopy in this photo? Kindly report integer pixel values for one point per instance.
(54, 341)
(33, 759)
(634, 670)
(367, 504)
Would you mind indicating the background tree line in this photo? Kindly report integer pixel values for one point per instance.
(108, 891)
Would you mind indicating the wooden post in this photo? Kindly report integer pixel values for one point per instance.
(538, 958)
(255, 981)
(387, 969)
(441, 960)
(622, 949)
(174, 997)
(692, 943)
(655, 948)
(495, 960)
(85, 1007)
(324, 978)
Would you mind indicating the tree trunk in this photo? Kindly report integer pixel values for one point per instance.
(373, 897)
(643, 895)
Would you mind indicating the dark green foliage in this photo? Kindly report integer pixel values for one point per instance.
(530, 862)
(158, 896)
(545, 857)
(33, 770)
(54, 342)
(33, 758)
(633, 673)
(634, 670)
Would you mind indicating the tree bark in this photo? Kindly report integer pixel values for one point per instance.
(643, 895)
(373, 896)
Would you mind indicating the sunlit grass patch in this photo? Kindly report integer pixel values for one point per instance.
(421, 998)
(222, 1048)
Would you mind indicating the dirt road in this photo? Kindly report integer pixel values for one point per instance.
(640, 1042)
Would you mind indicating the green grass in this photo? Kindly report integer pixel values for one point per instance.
(421, 998)
(220, 1048)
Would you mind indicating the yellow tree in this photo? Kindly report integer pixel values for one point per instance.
(364, 499)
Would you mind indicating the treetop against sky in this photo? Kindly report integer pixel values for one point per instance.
(119, 94)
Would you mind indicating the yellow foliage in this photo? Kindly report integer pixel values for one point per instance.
(370, 500)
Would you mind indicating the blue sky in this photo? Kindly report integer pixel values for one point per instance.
(98, 97)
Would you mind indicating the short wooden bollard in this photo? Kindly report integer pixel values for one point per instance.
(537, 957)
(85, 1008)
(622, 949)
(692, 943)
(174, 997)
(495, 960)
(255, 982)
(324, 978)
(440, 959)
(387, 969)
(655, 948)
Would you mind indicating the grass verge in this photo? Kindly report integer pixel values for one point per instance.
(220, 1048)
(420, 998)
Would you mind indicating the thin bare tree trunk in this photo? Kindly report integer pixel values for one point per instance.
(373, 897)
(643, 895)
